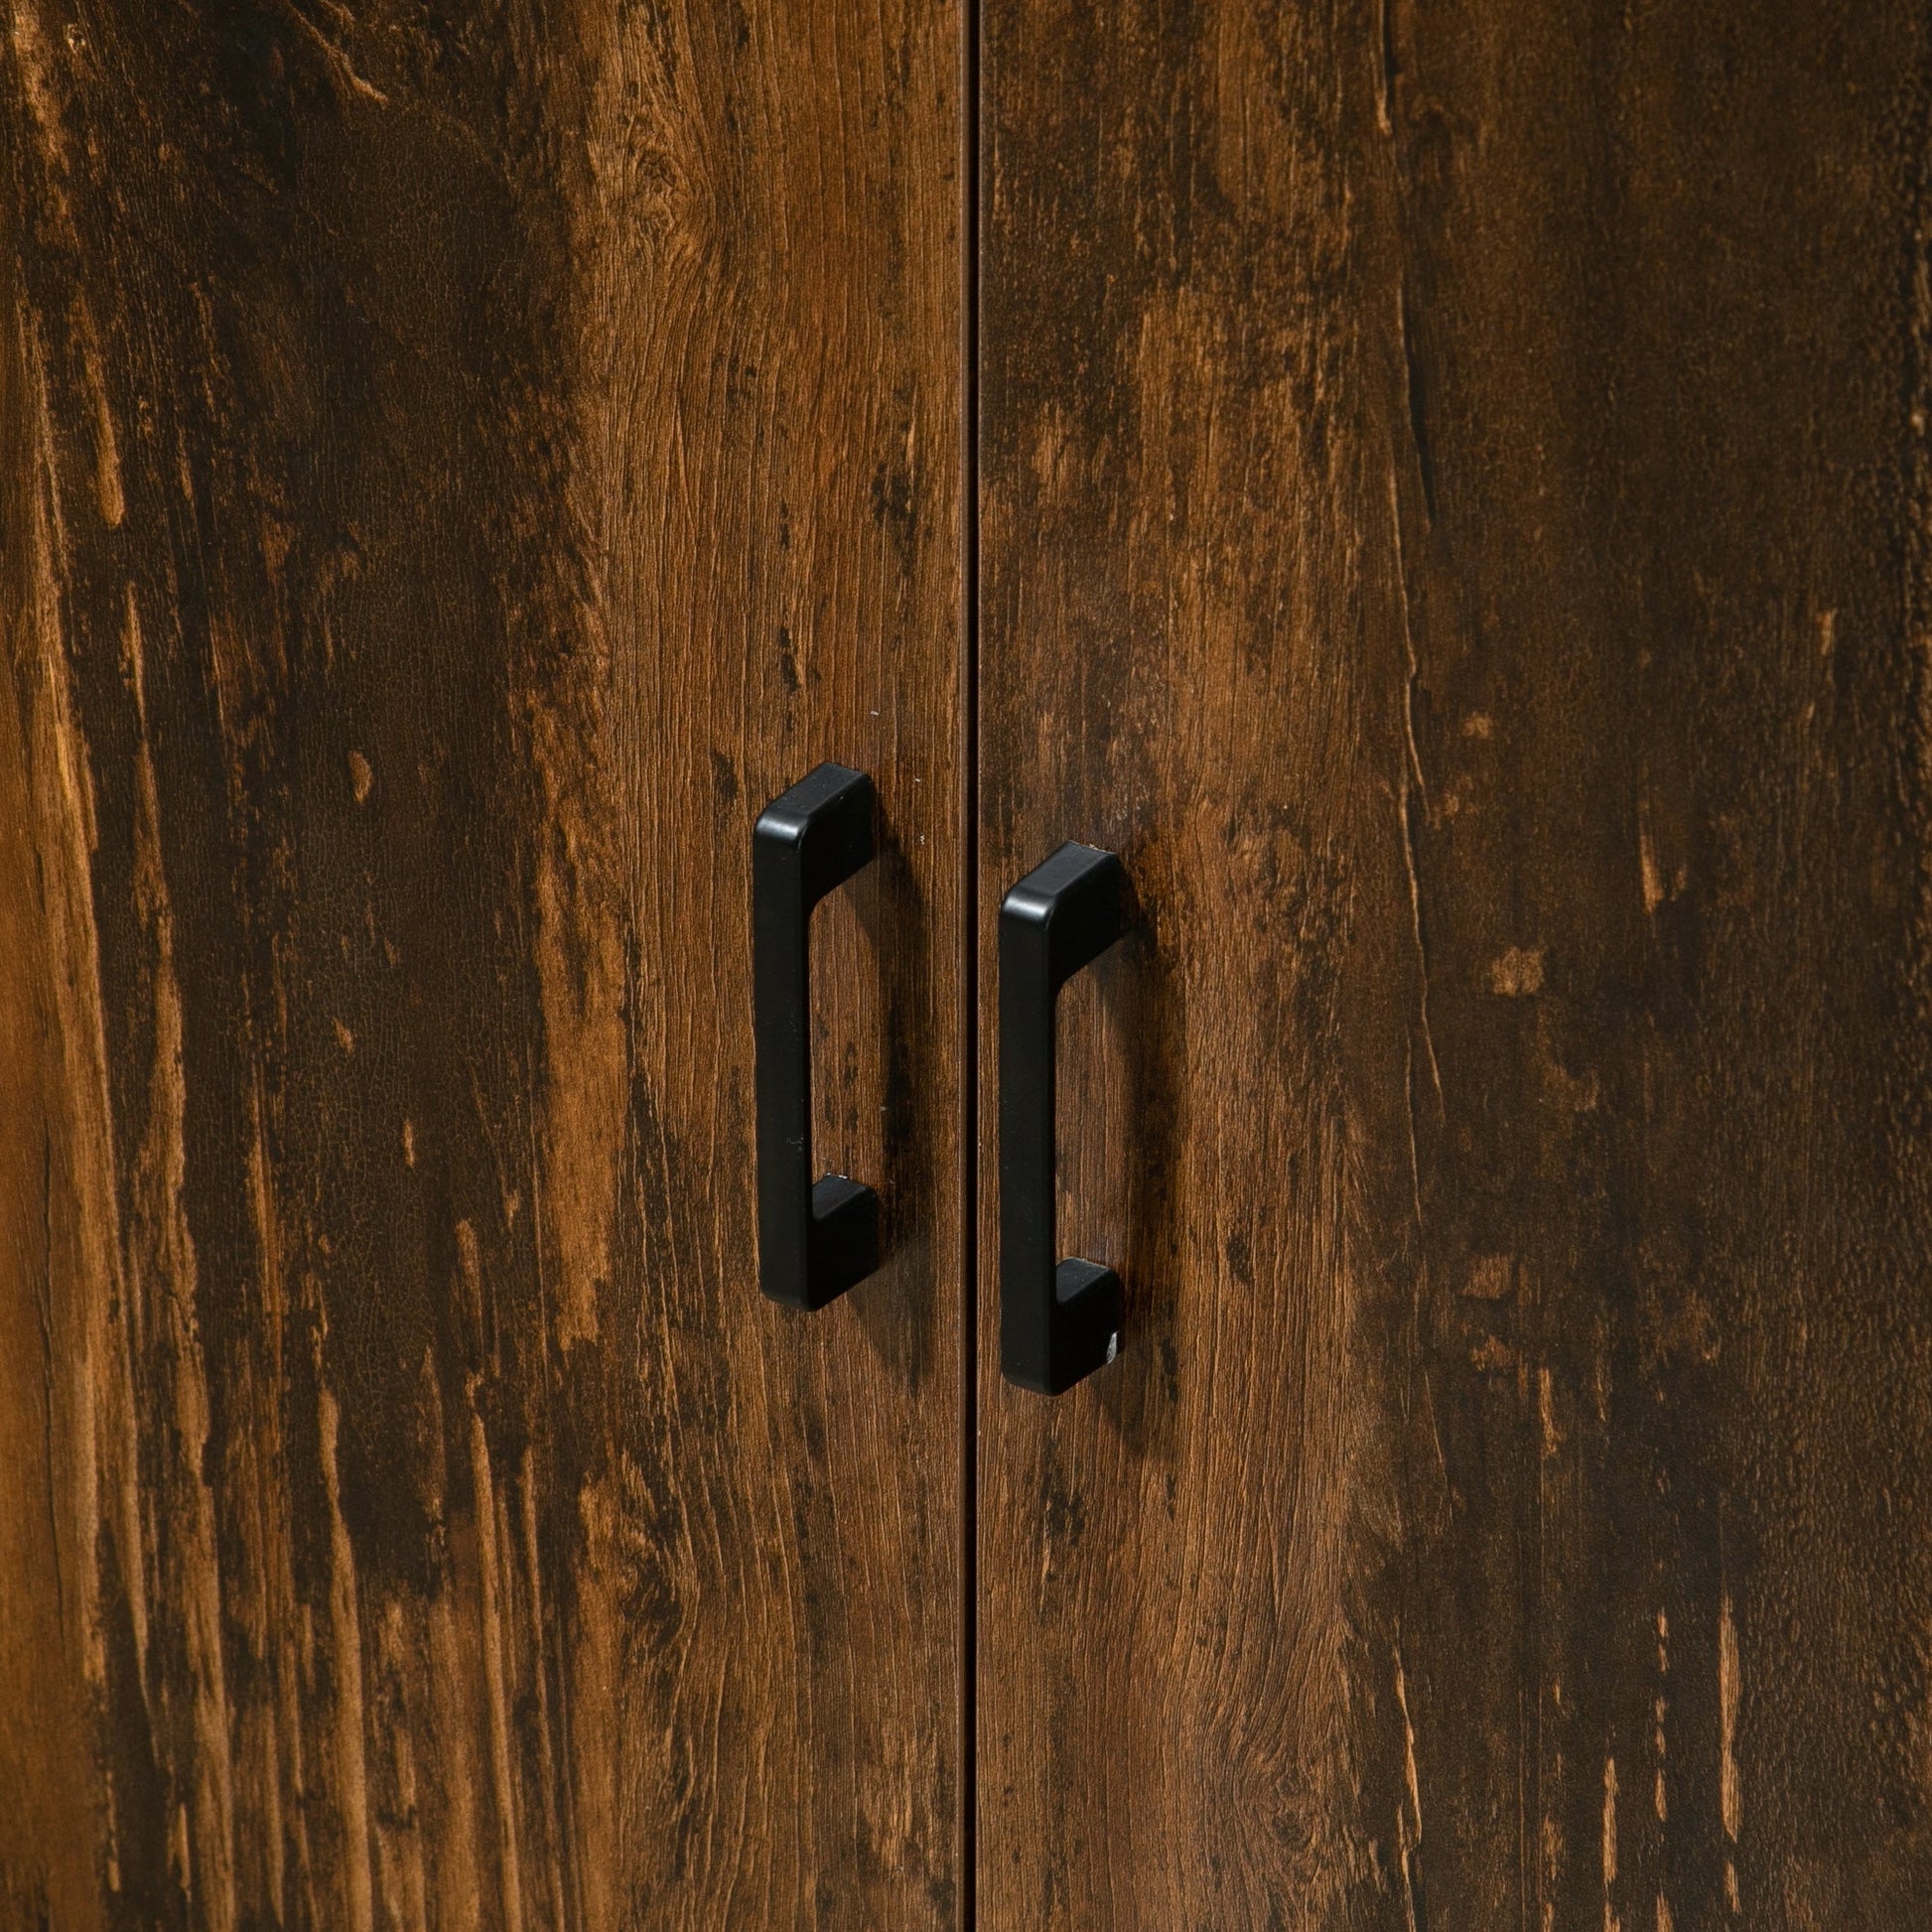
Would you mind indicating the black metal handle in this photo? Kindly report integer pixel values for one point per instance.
(1060, 1321)
(814, 1240)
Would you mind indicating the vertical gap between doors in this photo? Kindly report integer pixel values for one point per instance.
(969, 250)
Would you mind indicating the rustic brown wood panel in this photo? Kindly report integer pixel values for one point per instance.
(1455, 504)
(458, 463)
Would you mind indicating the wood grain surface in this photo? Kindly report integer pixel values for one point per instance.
(1455, 500)
(459, 463)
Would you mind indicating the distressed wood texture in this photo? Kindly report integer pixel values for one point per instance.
(458, 463)
(1455, 518)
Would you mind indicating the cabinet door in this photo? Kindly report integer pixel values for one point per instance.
(456, 470)
(1453, 495)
